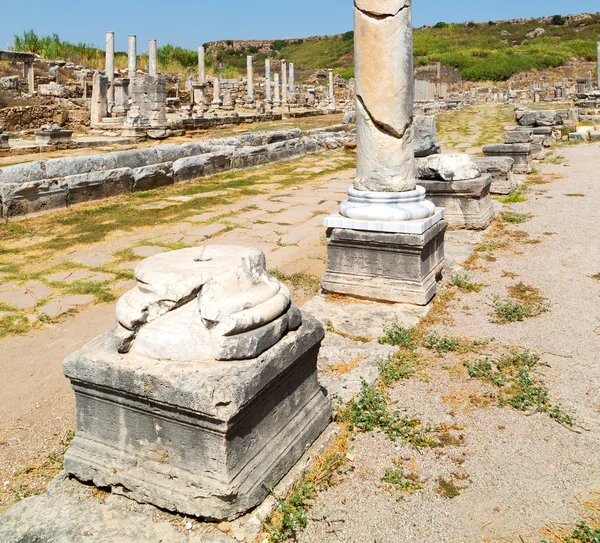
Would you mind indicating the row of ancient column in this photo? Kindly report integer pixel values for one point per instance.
(286, 84)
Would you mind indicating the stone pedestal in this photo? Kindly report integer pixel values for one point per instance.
(519, 152)
(205, 393)
(467, 203)
(501, 171)
(392, 267)
(121, 106)
(4, 141)
(53, 137)
(148, 106)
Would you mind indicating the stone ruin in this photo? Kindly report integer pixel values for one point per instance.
(206, 391)
(52, 134)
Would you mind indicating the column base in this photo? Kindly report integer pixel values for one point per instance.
(389, 266)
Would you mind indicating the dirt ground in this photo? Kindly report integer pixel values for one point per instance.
(515, 475)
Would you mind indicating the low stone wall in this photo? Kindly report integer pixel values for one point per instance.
(72, 114)
(56, 183)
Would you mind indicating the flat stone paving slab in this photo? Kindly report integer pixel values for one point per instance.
(19, 298)
(146, 251)
(79, 275)
(60, 306)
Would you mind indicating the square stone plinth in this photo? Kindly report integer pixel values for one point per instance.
(390, 267)
(467, 203)
(206, 438)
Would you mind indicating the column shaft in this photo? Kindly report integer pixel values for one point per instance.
(152, 65)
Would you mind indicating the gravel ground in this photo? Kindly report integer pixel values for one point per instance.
(518, 473)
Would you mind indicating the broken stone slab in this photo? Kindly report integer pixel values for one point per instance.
(467, 203)
(216, 396)
(519, 136)
(519, 152)
(501, 170)
(425, 136)
(153, 176)
(99, 185)
(456, 167)
(69, 512)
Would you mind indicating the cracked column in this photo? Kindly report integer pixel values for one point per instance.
(387, 241)
(132, 56)
(268, 80)
(152, 65)
(284, 88)
(250, 84)
(110, 67)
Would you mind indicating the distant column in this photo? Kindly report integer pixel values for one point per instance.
(277, 100)
(216, 92)
(250, 75)
(598, 62)
(29, 74)
(292, 82)
(268, 79)
(110, 66)
(590, 85)
(331, 93)
(284, 89)
(152, 67)
(201, 66)
(132, 56)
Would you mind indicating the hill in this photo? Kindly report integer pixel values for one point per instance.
(490, 51)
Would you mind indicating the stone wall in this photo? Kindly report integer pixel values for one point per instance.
(70, 114)
(55, 183)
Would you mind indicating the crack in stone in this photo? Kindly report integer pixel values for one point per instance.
(379, 16)
(383, 127)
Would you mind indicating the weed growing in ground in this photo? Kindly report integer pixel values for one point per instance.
(442, 344)
(523, 302)
(369, 411)
(302, 284)
(584, 534)
(399, 336)
(402, 482)
(596, 276)
(290, 515)
(514, 198)
(515, 375)
(464, 282)
(396, 367)
(515, 218)
(447, 489)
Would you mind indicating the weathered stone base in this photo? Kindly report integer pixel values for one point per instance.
(467, 203)
(53, 138)
(204, 439)
(385, 266)
(519, 152)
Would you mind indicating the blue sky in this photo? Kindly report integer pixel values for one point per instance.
(190, 23)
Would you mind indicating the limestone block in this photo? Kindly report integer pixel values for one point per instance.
(467, 203)
(349, 117)
(425, 134)
(579, 137)
(518, 136)
(179, 420)
(519, 152)
(547, 118)
(250, 156)
(135, 158)
(595, 136)
(527, 118)
(501, 171)
(10, 83)
(382, 266)
(153, 176)
(457, 167)
(98, 185)
(33, 196)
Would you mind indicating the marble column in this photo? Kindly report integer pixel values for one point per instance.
(268, 79)
(292, 79)
(132, 56)
(216, 92)
(152, 65)
(331, 92)
(284, 87)
(277, 100)
(201, 66)
(598, 63)
(29, 74)
(110, 67)
(387, 241)
(250, 79)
